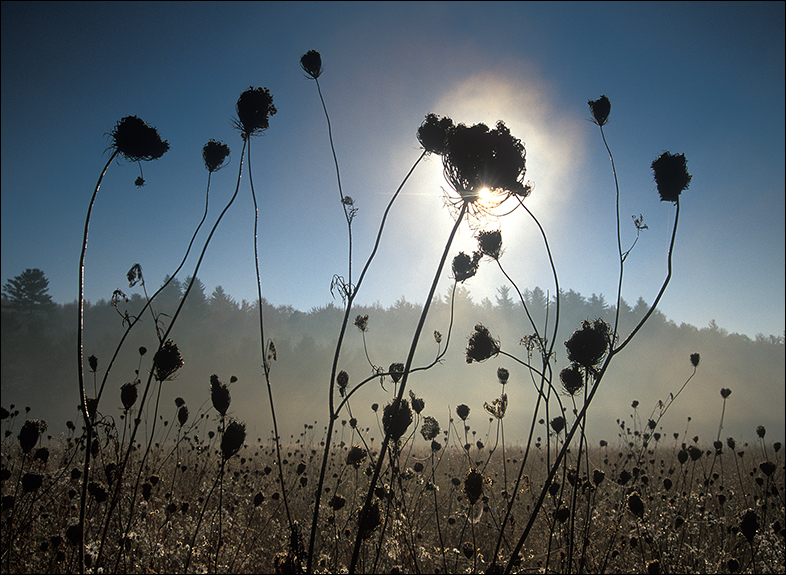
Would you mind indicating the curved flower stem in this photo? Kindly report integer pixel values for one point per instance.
(265, 362)
(81, 368)
(404, 378)
(334, 371)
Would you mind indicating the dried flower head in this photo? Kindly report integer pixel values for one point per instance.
(464, 266)
(31, 430)
(760, 431)
(396, 370)
(572, 379)
(430, 428)
(636, 505)
(588, 345)
(32, 482)
(749, 524)
(396, 418)
(128, 394)
(671, 176)
(502, 375)
(361, 322)
(167, 361)
(600, 109)
(136, 141)
(481, 345)
(725, 392)
(219, 394)
(343, 380)
(372, 520)
(92, 361)
(558, 424)
(356, 455)
(473, 485)
(214, 153)
(695, 358)
(182, 415)
(490, 243)
(233, 438)
(462, 411)
(311, 62)
(254, 108)
(433, 133)
(418, 403)
(498, 407)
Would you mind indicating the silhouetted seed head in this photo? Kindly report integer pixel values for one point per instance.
(430, 428)
(498, 407)
(42, 455)
(136, 141)
(490, 243)
(464, 266)
(767, 468)
(749, 524)
(342, 379)
(139, 182)
(462, 411)
(97, 491)
(214, 153)
(600, 109)
(233, 438)
(219, 394)
(588, 345)
(477, 158)
(92, 361)
(311, 62)
(254, 108)
(32, 482)
(179, 401)
(558, 424)
(671, 176)
(473, 485)
(167, 361)
(395, 419)
(725, 392)
(731, 443)
(433, 133)
(31, 430)
(481, 345)
(182, 415)
(435, 446)
(374, 407)
(653, 567)
(562, 514)
(467, 549)
(356, 455)
(128, 394)
(733, 565)
(572, 379)
(598, 476)
(337, 502)
(776, 446)
(361, 322)
(682, 456)
(418, 403)
(396, 370)
(695, 453)
(502, 375)
(636, 505)
(372, 520)
(761, 432)
(695, 358)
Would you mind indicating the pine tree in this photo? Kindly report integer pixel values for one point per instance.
(28, 292)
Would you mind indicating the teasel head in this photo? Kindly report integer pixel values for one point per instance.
(128, 394)
(473, 485)
(219, 394)
(572, 379)
(481, 345)
(254, 108)
(588, 345)
(233, 438)
(356, 456)
(464, 266)
(396, 418)
(31, 430)
(311, 62)
(433, 133)
(600, 109)
(490, 243)
(430, 428)
(671, 176)
(214, 154)
(167, 361)
(136, 141)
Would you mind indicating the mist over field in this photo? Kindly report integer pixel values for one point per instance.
(217, 335)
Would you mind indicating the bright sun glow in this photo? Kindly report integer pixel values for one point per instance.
(485, 197)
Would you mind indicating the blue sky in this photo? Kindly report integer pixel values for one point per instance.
(704, 79)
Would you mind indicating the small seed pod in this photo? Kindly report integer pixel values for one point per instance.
(418, 403)
(128, 394)
(636, 505)
(167, 361)
(311, 62)
(396, 370)
(600, 109)
(462, 411)
(749, 524)
(219, 394)
(473, 485)
(502, 375)
(182, 415)
(233, 438)
(31, 430)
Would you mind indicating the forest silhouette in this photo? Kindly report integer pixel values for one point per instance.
(217, 335)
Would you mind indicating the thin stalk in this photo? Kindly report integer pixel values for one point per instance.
(404, 378)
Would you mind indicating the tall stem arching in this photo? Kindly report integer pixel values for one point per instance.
(81, 368)
(334, 370)
(265, 361)
(402, 387)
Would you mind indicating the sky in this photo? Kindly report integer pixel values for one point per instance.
(704, 79)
